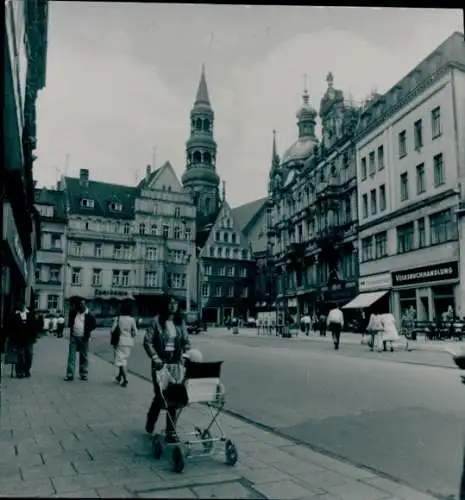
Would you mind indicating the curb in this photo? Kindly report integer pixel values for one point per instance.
(299, 442)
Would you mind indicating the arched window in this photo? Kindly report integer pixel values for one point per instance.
(233, 238)
(207, 158)
(142, 229)
(206, 125)
(197, 157)
(192, 123)
(127, 228)
(212, 251)
(213, 159)
(207, 204)
(244, 254)
(198, 124)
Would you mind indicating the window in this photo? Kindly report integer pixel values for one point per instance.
(244, 272)
(363, 168)
(218, 291)
(87, 203)
(212, 251)
(421, 182)
(436, 122)
(126, 228)
(97, 250)
(126, 252)
(226, 237)
(367, 249)
(151, 253)
(380, 157)
(365, 205)
(115, 277)
(381, 245)
(233, 238)
(205, 290)
(208, 270)
(76, 249)
(177, 212)
(418, 134)
(117, 251)
(402, 144)
(37, 301)
(230, 271)
(166, 231)
(96, 277)
(382, 198)
(52, 302)
(421, 233)
(116, 207)
(177, 233)
(405, 234)
(245, 292)
(219, 252)
(154, 229)
(142, 229)
(76, 276)
(347, 210)
(56, 241)
(188, 233)
(231, 291)
(151, 279)
(371, 163)
(124, 279)
(404, 186)
(222, 271)
(54, 274)
(442, 227)
(373, 201)
(245, 254)
(217, 236)
(438, 170)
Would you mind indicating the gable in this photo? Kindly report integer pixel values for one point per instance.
(166, 180)
(225, 239)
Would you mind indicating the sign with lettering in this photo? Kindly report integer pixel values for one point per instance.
(382, 281)
(112, 292)
(11, 235)
(426, 274)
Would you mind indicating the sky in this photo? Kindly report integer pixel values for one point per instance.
(122, 77)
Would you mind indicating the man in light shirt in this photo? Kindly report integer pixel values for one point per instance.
(81, 324)
(335, 323)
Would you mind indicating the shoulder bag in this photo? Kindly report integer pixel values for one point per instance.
(115, 334)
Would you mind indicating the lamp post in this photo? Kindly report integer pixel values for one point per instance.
(188, 265)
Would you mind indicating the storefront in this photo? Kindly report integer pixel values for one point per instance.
(430, 290)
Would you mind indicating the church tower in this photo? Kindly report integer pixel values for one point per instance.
(200, 177)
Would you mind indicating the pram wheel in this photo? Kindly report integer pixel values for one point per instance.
(206, 437)
(177, 459)
(230, 452)
(157, 447)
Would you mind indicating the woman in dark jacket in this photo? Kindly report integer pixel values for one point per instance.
(165, 342)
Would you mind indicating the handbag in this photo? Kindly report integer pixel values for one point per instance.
(115, 334)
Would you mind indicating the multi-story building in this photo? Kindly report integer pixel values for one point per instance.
(411, 164)
(25, 53)
(51, 258)
(224, 267)
(313, 209)
(128, 241)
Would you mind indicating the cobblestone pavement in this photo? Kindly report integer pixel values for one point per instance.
(86, 439)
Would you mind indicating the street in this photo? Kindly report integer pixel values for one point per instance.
(401, 419)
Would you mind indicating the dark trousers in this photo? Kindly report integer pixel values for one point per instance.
(335, 329)
(323, 329)
(78, 345)
(24, 354)
(157, 405)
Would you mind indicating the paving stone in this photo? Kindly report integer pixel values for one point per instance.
(68, 484)
(66, 456)
(79, 494)
(43, 487)
(113, 492)
(397, 490)
(287, 489)
(358, 490)
(224, 490)
(171, 493)
(46, 471)
(321, 478)
(266, 475)
(95, 480)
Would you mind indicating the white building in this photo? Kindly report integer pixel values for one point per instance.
(411, 161)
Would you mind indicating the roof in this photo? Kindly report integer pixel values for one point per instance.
(53, 198)
(103, 193)
(202, 96)
(146, 182)
(245, 214)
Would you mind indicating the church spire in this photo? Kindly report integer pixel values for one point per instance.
(202, 96)
(274, 152)
(224, 191)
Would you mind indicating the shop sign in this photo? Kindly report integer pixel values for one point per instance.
(11, 236)
(112, 292)
(381, 281)
(426, 274)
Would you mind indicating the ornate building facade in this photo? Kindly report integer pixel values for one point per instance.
(313, 209)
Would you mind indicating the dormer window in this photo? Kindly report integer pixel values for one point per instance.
(87, 203)
(115, 206)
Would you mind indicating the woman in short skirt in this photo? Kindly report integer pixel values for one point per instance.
(128, 329)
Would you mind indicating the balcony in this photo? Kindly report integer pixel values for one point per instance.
(56, 282)
(326, 190)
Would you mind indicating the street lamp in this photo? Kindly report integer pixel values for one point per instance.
(188, 265)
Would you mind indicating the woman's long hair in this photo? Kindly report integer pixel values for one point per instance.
(164, 312)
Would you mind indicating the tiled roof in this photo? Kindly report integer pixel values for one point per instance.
(145, 182)
(103, 194)
(245, 214)
(54, 198)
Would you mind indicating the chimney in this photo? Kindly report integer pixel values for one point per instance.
(84, 176)
(148, 171)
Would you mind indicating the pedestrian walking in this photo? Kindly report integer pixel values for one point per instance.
(389, 331)
(125, 324)
(165, 341)
(60, 325)
(322, 324)
(235, 325)
(374, 329)
(22, 334)
(335, 323)
(81, 324)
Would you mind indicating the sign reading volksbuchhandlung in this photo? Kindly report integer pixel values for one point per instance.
(425, 274)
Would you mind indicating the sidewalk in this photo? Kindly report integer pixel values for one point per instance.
(86, 439)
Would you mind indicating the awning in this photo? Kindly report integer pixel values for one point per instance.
(364, 300)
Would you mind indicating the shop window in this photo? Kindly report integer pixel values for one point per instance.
(408, 300)
(443, 297)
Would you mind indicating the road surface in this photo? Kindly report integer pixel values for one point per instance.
(374, 409)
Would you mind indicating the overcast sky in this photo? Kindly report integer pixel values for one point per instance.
(121, 79)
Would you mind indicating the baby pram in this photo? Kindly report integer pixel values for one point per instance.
(201, 385)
